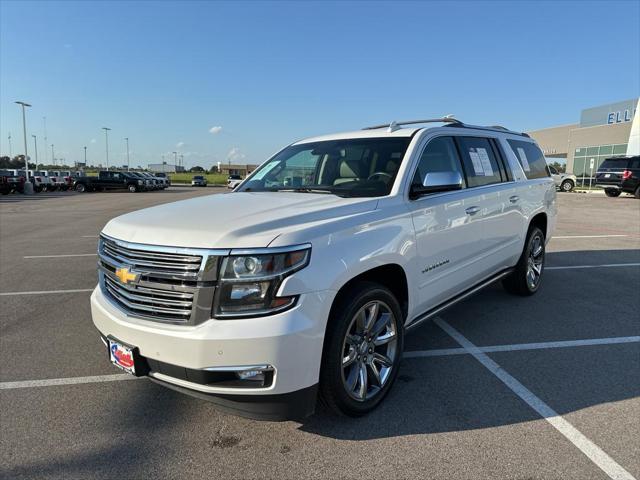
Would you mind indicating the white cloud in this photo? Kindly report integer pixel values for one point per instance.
(215, 130)
(93, 140)
(235, 155)
(180, 144)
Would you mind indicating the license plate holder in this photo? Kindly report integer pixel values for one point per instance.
(126, 357)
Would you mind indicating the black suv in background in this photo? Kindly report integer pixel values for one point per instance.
(619, 174)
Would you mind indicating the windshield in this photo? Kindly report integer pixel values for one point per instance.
(356, 167)
(198, 177)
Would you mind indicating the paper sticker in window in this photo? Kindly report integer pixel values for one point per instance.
(523, 159)
(486, 163)
(477, 163)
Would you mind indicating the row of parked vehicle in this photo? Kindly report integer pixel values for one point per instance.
(113, 180)
(13, 180)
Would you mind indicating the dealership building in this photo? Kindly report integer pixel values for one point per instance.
(604, 131)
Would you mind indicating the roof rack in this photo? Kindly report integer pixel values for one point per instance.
(393, 126)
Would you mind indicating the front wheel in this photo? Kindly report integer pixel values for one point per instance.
(637, 192)
(80, 187)
(132, 188)
(362, 350)
(527, 276)
(566, 186)
(609, 192)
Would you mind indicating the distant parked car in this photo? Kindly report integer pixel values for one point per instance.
(564, 181)
(166, 178)
(147, 184)
(619, 174)
(107, 180)
(233, 181)
(198, 181)
(11, 182)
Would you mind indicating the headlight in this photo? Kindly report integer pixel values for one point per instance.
(249, 281)
(139, 182)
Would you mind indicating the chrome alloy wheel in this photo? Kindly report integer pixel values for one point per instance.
(535, 262)
(369, 350)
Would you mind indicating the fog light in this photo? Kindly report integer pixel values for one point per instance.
(257, 375)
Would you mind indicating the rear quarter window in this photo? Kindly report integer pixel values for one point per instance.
(531, 158)
(615, 163)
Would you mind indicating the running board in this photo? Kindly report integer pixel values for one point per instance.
(458, 298)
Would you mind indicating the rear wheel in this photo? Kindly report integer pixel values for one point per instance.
(637, 192)
(610, 192)
(362, 350)
(567, 186)
(132, 188)
(80, 187)
(527, 276)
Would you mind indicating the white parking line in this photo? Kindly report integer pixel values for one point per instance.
(45, 292)
(522, 346)
(562, 237)
(63, 256)
(586, 446)
(51, 382)
(608, 265)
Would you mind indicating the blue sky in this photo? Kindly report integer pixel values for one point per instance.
(267, 73)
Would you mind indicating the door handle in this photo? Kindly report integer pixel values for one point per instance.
(514, 199)
(472, 210)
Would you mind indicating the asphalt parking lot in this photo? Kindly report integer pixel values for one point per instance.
(497, 387)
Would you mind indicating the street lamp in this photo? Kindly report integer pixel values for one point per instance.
(44, 121)
(10, 154)
(106, 141)
(53, 158)
(28, 187)
(175, 159)
(85, 157)
(35, 146)
(127, 139)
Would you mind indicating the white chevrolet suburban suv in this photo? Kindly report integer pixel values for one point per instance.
(302, 282)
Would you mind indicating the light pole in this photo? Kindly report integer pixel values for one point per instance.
(106, 142)
(127, 139)
(35, 147)
(28, 187)
(53, 158)
(175, 159)
(10, 154)
(85, 157)
(44, 121)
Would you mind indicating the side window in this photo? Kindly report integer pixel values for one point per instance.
(480, 161)
(552, 170)
(530, 157)
(440, 155)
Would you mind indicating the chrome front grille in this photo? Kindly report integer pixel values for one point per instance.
(164, 284)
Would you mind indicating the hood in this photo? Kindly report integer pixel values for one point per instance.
(233, 220)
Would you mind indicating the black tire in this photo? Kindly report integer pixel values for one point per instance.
(636, 194)
(132, 188)
(609, 192)
(566, 186)
(334, 392)
(80, 188)
(519, 282)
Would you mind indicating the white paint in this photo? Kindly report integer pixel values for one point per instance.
(582, 443)
(52, 382)
(563, 237)
(522, 346)
(46, 292)
(63, 256)
(609, 265)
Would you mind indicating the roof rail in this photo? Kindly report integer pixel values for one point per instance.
(395, 125)
(492, 128)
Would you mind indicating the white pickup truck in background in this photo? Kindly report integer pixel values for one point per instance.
(303, 281)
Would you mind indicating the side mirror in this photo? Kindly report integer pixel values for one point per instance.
(438, 182)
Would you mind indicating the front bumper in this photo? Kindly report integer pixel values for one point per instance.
(290, 342)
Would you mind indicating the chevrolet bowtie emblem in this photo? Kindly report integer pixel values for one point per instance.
(125, 275)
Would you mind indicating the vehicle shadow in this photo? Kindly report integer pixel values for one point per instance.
(456, 393)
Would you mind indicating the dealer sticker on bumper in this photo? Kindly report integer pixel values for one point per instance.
(122, 356)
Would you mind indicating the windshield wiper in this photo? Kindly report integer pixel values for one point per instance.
(303, 190)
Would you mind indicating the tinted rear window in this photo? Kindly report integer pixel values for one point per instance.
(615, 163)
(531, 158)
